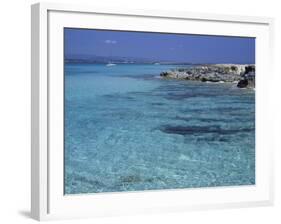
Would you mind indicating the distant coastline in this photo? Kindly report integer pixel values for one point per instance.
(127, 63)
(124, 61)
(92, 59)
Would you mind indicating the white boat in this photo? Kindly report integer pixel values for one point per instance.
(110, 64)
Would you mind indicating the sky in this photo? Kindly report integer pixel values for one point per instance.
(160, 46)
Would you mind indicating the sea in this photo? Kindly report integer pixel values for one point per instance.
(128, 129)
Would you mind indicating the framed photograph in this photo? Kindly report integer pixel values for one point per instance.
(148, 111)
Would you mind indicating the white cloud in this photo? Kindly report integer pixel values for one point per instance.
(110, 41)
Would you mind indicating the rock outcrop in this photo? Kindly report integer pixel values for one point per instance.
(243, 75)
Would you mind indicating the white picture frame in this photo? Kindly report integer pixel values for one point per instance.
(47, 198)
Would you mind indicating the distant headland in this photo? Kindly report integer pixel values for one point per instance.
(242, 74)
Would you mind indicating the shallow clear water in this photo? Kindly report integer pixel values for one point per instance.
(127, 130)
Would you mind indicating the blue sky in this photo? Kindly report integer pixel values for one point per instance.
(160, 46)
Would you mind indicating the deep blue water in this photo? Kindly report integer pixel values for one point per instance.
(128, 130)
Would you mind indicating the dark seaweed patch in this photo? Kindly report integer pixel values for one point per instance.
(118, 96)
(225, 110)
(211, 120)
(200, 119)
(187, 130)
(157, 104)
(188, 95)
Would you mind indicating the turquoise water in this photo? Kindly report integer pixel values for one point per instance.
(128, 130)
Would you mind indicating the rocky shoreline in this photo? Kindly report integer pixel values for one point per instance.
(243, 75)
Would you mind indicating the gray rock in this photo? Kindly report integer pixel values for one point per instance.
(215, 73)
